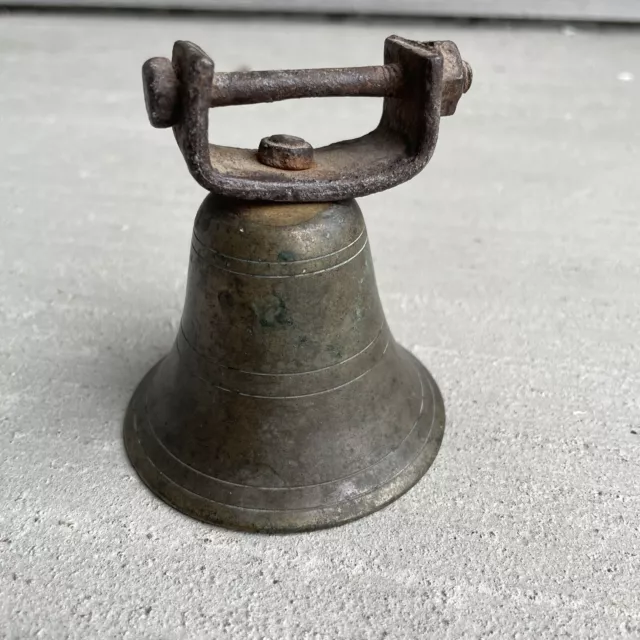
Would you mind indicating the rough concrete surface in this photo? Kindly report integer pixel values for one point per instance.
(511, 266)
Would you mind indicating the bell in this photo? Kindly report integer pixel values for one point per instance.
(285, 404)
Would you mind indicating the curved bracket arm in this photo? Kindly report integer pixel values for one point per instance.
(419, 82)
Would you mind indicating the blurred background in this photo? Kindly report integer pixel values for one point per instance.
(601, 10)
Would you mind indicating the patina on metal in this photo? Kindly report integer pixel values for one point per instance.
(285, 404)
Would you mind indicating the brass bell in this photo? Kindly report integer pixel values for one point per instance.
(285, 404)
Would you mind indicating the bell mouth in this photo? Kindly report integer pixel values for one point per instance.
(280, 508)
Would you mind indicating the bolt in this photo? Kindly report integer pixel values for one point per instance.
(285, 152)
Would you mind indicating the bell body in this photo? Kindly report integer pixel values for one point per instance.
(285, 404)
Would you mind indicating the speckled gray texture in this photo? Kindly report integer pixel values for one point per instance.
(511, 266)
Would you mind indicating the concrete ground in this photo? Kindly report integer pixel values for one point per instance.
(511, 266)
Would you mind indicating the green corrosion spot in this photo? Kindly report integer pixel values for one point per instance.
(334, 350)
(286, 256)
(272, 312)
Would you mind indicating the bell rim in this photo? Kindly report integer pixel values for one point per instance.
(284, 521)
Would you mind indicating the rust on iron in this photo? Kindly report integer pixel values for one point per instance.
(420, 81)
(285, 404)
(161, 89)
(286, 152)
(250, 87)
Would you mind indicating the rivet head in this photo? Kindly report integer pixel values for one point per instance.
(285, 152)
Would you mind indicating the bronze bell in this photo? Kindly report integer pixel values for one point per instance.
(285, 404)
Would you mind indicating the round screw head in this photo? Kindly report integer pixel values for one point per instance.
(285, 152)
(160, 92)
